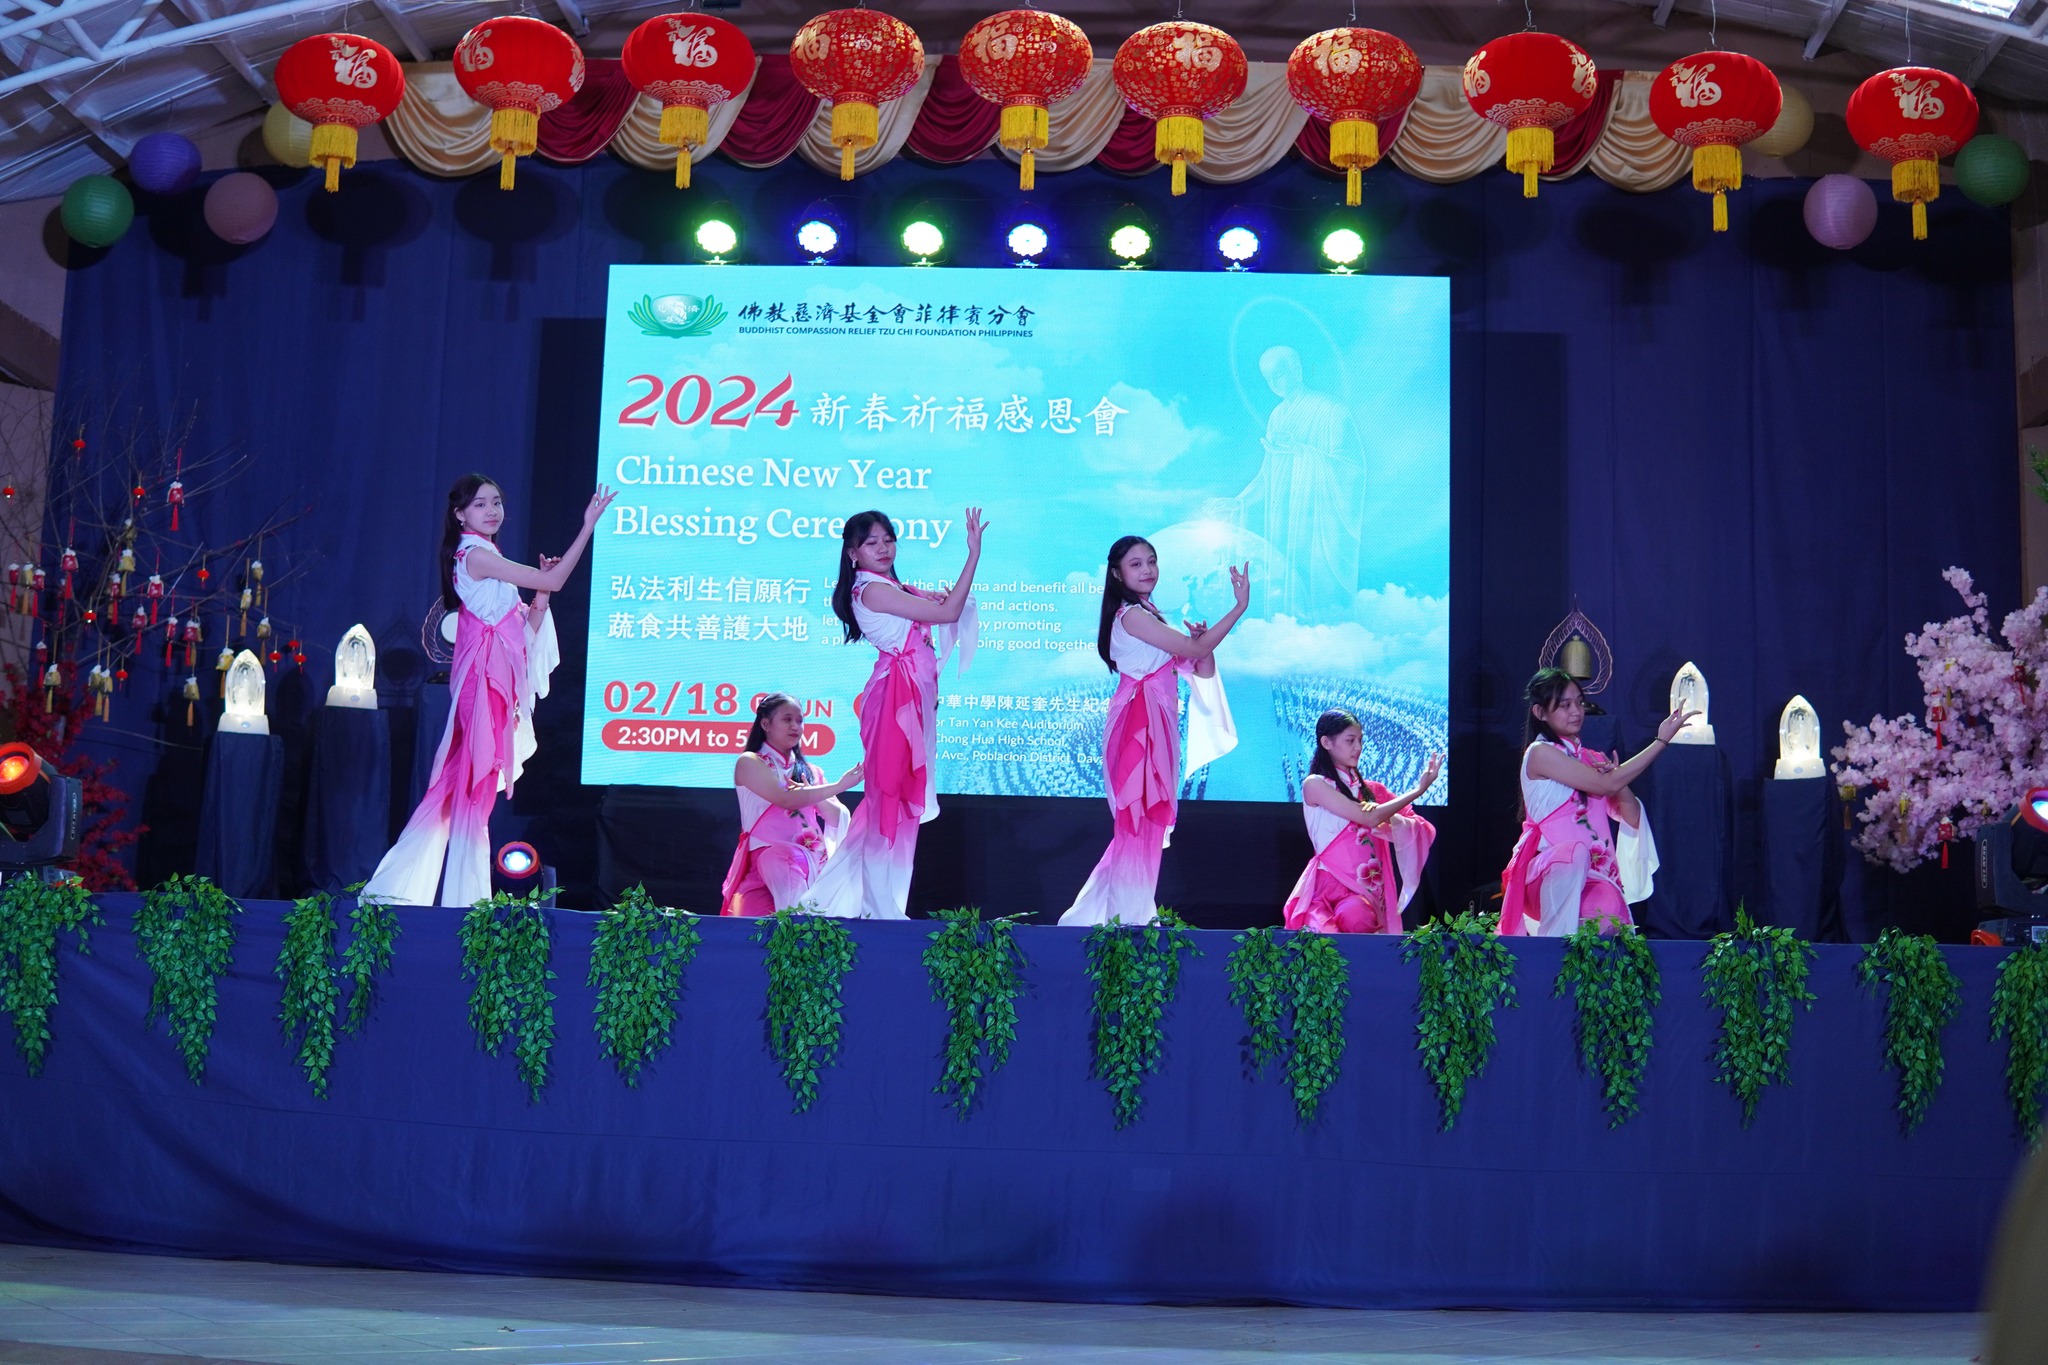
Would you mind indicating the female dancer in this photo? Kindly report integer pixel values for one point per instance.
(1141, 739)
(504, 652)
(789, 817)
(1568, 866)
(1363, 835)
(869, 875)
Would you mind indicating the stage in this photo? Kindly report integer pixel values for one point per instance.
(428, 1154)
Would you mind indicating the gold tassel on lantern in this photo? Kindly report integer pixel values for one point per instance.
(1178, 141)
(855, 128)
(1716, 170)
(1530, 152)
(514, 133)
(1917, 183)
(1354, 145)
(1024, 128)
(685, 128)
(333, 146)
(191, 695)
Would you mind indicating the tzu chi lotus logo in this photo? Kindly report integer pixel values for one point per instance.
(676, 315)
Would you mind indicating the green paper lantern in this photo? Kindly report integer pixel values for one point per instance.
(97, 210)
(1991, 169)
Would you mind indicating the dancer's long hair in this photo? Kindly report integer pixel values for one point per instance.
(757, 734)
(1545, 690)
(857, 528)
(459, 495)
(1116, 594)
(1322, 763)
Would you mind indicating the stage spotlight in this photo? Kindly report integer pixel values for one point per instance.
(923, 240)
(517, 861)
(1343, 248)
(818, 239)
(717, 237)
(40, 811)
(2033, 807)
(1028, 242)
(1238, 245)
(1130, 242)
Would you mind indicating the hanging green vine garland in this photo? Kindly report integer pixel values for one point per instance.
(636, 967)
(372, 925)
(1754, 976)
(808, 955)
(2019, 1013)
(505, 946)
(1922, 997)
(32, 912)
(1136, 971)
(976, 973)
(1467, 973)
(185, 931)
(305, 965)
(1309, 979)
(1615, 988)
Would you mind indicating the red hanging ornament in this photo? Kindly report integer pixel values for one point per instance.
(1937, 713)
(35, 600)
(170, 638)
(7, 492)
(338, 82)
(14, 587)
(91, 616)
(190, 635)
(68, 562)
(175, 495)
(1713, 102)
(140, 621)
(1530, 84)
(688, 62)
(1354, 78)
(1179, 73)
(1912, 116)
(299, 659)
(859, 59)
(78, 445)
(1945, 831)
(519, 69)
(154, 592)
(1025, 60)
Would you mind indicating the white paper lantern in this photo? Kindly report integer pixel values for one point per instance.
(1793, 128)
(288, 137)
(1799, 741)
(245, 697)
(355, 671)
(1689, 689)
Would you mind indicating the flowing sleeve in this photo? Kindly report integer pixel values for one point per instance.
(1411, 836)
(543, 652)
(832, 815)
(1635, 853)
(1211, 731)
(963, 635)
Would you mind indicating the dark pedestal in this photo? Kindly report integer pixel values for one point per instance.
(1802, 859)
(1688, 797)
(238, 812)
(348, 796)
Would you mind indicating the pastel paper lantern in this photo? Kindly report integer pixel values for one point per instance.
(1793, 128)
(164, 163)
(338, 82)
(1025, 60)
(96, 210)
(287, 137)
(519, 69)
(241, 208)
(1840, 211)
(1530, 84)
(1913, 116)
(859, 59)
(1714, 102)
(1991, 170)
(687, 62)
(1353, 78)
(1179, 73)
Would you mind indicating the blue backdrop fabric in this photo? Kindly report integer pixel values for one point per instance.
(1742, 449)
(428, 1154)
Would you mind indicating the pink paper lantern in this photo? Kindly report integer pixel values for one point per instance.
(1840, 211)
(241, 208)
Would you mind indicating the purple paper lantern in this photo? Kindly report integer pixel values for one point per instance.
(241, 207)
(1840, 211)
(164, 163)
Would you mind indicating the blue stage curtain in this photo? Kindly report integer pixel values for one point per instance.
(348, 796)
(1742, 448)
(427, 1153)
(238, 812)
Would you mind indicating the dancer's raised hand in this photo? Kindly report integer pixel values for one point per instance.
(599, 501)
(1674, 722)
(975, 526)
(1430, 770)
(1241, 584)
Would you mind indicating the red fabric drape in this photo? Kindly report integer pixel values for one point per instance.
(1129, 149)
(1314, 141)
(955, 124)
(1575, 140)
(580, 129)
(773, 119)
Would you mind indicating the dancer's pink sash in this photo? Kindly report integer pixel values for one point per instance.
(1349, 858)
(1583, 819)
(1141, 749)
(896, 745)
(496, 656)
(801, 832)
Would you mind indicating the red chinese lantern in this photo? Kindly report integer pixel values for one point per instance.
(338, 82)
(1354, 77)
(859, 59)
(520, 69)
(1913, 116)
(1179, 73)
(1530, 84)
(689, 62)
(1025, 60)
(1713, 102)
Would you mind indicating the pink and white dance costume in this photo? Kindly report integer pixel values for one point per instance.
(781, 852)
(1142, 771)
(1361, 879)
(1572, 864)
(868, 876)
(502, 664)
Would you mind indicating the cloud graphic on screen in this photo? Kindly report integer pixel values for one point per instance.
(1149, 434)
(1395, 638)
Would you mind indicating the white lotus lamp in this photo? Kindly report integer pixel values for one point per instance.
(245, 697)
(355, 671)
(1689, 689)
(1799, 741)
